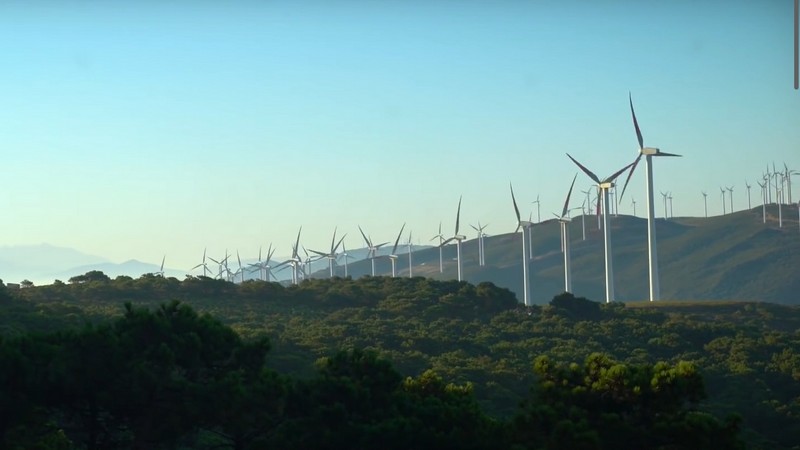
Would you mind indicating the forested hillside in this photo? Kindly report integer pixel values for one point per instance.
(474, 342)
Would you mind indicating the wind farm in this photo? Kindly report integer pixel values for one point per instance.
(137, 166)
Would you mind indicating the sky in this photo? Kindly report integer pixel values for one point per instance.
(134, 130)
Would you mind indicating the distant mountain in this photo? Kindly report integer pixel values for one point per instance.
(35, 262)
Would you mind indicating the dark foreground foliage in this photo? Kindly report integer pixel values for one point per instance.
(476, 337)
(170, 379)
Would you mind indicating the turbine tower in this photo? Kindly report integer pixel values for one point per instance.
(664, 196)
(458, 238)
(633, 203)
(652, 247)
(521, 224)
(604, 185)
(763, 187)
(345, 256)
(669, 197)
(564, 221)
(393, 255)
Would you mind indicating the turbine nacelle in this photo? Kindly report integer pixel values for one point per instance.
(606, 185)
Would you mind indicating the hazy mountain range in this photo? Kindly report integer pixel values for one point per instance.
(732, 257)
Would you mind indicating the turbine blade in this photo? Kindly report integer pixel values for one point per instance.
(516, 210)
(364, 236)
(397, 241)
(585, 170)
(636, 124)
(566, 203)
(458, 215)
(617, 173)
(666, 154)
(338, 243)
(630, 174)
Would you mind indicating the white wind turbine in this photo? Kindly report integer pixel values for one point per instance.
(458, 238)
(393, 255)
(583, 219)
(669, 197)
(705, 202)
(652, 248)
(409, 245)
(538, 204)
(295, 260)
(265, 265)
(748, 186)
(722, 190)
(345, 256)
(479, 229)
(763, 187)
(331, 255)
(604, 185)
(258, 266)
(372, 249)
(664, 196)
(564, 221)
(730, 190)
(203, 264)
(161, 269)
(633, 203)
(441, 239)
(521, 224)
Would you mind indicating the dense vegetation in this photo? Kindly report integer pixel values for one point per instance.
(572, 374)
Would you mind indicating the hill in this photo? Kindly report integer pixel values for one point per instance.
(730, 257)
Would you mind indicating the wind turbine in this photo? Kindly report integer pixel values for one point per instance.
(521, 224)
(633, 203)
(331, 255)
(564, 220)
(345, 256)
(241, 270)
(393, 255)
(441, 239)
(730, 190)
(789, 174)
(669, 197)
(266, 264)
(705, 202)
(722, 190)
(748, 186)
(583, 219)
(652, 249)
(161, 270)
(763, 201)
(604, 185)
(458, 238)
(294, 261)
(203, 264)
(538, 204)
(409, 245)
(372, 249)
(664, 195)
(479, 229)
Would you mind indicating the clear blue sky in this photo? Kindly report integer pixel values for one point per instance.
(131, 130)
